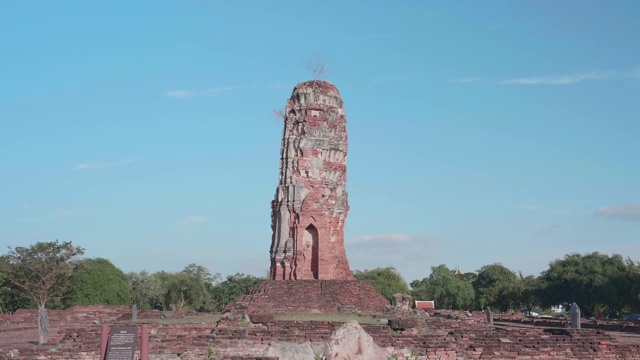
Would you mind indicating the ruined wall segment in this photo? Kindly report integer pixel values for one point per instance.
(311, 204)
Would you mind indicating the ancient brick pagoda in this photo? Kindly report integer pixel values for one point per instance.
(309, 268)
(311, 205)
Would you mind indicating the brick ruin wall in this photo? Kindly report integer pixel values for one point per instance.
(311, 296)
(311, 204)
(431, 338)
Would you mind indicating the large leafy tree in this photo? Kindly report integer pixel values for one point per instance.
(524, 292)
(182, 290)
(186, 289)
(446, 289)
(146, 290)
(590, 280)
(11, 298)
(231, 289)
(387, 281)
(41, 272)
(492, 287)
(100, 282)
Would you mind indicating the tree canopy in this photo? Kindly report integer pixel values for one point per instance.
(591, 279)
(231, 289)
(100, 282)
(386, 280)
(41, 272)
(492, 287)
(446, 289)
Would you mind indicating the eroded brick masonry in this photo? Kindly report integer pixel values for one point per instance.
(311, 204)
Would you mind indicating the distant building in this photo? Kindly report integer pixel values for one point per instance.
(425, 305)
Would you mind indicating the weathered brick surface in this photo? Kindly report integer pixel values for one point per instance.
(305, 296)
(607, 325)
(310, 207)
(432, 338)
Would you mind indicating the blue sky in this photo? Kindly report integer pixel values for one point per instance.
(478, 132)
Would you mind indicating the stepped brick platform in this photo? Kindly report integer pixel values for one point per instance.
(311, 296)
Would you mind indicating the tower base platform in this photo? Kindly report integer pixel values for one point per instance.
(310, 296)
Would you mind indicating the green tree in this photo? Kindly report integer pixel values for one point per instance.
(100, 282)
(41, 272)
(182, 290)
(524, 292)
(492, 287)
(632, 302)
(447, 290)
(186, 289)
(387, 281)
(590, 280)
(231, 289)
(11, 298)
(146, 290)
(469, 277)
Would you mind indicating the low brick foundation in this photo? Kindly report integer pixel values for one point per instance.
(632, 326)
(432, 339)
(456, 336)
(310, 296)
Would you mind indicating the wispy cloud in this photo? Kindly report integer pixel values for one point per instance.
(409, 254)
(564, 79)
(528, 207)
(546, 231)
(377, 36)
(274, 86)
(55, 214)
(469, 80)
(383, 80)
(556, 80)
(103, 164)
(179, 94)
(211, 92)
(626, 212)
(496, 26)
(558, 208)
(193, 220)
(391, 247)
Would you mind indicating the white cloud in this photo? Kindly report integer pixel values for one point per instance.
(211, 92)
(193, 220)
(546, 232)
(469, 80)
(626, 212)
(555, 80)
(55, 215)
(102, 164)
(528, 207)
(389, 249)
(275, 86)
(406, 253)
(396, 238)
(180, 94)
(566, 79)
(383, 80)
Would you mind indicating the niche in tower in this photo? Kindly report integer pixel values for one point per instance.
(311, 237)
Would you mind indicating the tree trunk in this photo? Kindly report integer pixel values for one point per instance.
(43, 325)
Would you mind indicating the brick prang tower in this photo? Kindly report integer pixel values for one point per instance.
(311, 204)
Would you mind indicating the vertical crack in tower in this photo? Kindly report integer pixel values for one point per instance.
(311, 204)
